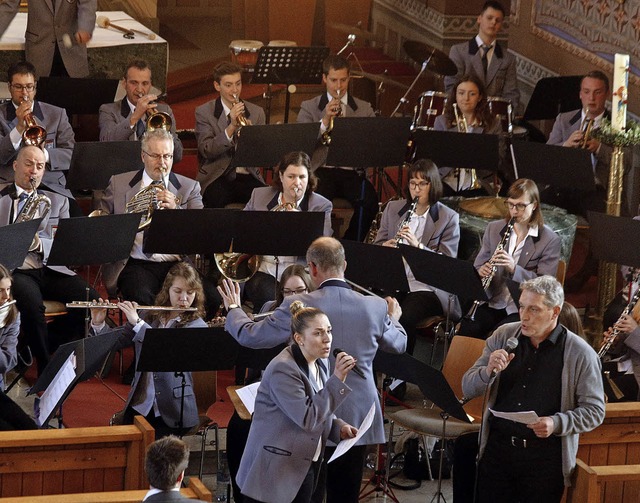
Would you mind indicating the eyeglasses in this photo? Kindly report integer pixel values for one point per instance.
(518, 206)
(29, 87)
(418, 185)
(286, 292)
(157, 157)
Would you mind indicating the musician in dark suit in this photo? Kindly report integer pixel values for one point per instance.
(292, 189)
(165, 463)
(157, 395)
(432, 226)
(532, 249)
(35, 280)
(361, 324)
(336, 181)
(48, 22)
(216, 132)
(140, 277)
(569, 131)
(126, 119)
(498, 69)
(59, 141)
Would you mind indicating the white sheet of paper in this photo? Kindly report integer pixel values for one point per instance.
(248, 395)
(525, 417)
(51, 396)
(346, 444)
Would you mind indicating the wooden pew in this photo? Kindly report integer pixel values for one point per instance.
(607, 456)
(196, 490)
(74, 460)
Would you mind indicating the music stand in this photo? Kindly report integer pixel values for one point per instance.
(373, 266)
(607, 229)
(104, 239)
(210, 231)
(16, 240)
(288, 65)
(56, 381)
(554, 95)
(183, 350)
(554, 165)
(365, 142)
(450, 148)
(93, 163)
(264, 146)
(77, 96)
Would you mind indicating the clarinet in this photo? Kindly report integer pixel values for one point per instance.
(486, 281)
(407, 219)
(606, 346)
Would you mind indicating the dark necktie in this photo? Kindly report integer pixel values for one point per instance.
(485, 60)
(140, 128)
(21, 201)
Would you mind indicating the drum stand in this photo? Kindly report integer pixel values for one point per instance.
(403, 101)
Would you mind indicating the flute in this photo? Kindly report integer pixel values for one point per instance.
(110, 305)
(6, 305)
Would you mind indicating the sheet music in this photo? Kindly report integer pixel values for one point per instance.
(45, 405)
(248, 395)
(347, 443)
(525, 417)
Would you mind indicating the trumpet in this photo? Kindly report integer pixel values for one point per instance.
(157, 119)
(241, 120)
(407, 219)
(463, 127)
(586, 131)
(111, 305)
(326, 136)
(486, 281)
(33, 134)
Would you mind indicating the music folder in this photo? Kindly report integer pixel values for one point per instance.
(608, 229)
(16, 240)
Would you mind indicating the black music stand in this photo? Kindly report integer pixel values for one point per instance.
(373, 266)
(554, 165)
(369, 142)
(77, 96)
(288, 65)
(16, 240)
(450, 148)
(554, 95)
(104, 239)
(210, 231)
(93, 163)
(183, 350)
(90, 353)
(608, 229)
(264, 146)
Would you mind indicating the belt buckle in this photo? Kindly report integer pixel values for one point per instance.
(519, 442)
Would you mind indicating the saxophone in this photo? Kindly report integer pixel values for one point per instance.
(486, 281)
(35, 206)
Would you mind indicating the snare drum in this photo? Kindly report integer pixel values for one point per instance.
(430, 105)
(502, 108)
(245, 53)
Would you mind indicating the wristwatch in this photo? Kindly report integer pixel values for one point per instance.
(232, 306)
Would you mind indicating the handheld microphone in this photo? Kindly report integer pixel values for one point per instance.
(355, 368)
(512, 344)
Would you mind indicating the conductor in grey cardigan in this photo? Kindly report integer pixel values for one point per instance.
(552, 372)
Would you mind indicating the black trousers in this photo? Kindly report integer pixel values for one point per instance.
(306, 489)
(30, 288)
(343, 477)
(415, 307)
(517, 475)
(355, 188)
(161, 428)
(226, 190)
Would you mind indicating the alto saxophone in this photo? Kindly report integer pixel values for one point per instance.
(35, 206)
(486, 281)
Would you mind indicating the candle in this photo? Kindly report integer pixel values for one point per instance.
(620, 87)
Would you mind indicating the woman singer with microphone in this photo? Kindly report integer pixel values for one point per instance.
(466, 111)
(157, 395)
(292, 189)
(519, 252)
(294, 414)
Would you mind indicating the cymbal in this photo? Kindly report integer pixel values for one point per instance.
(379, 78)
(439, 62)
(358, 32)
(485, 207)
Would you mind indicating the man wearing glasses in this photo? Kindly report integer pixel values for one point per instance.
(529, 250)
(58, 143)
(140, 277)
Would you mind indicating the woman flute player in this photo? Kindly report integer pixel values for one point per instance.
(292, 189)
(157, 395)
(532, 249)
